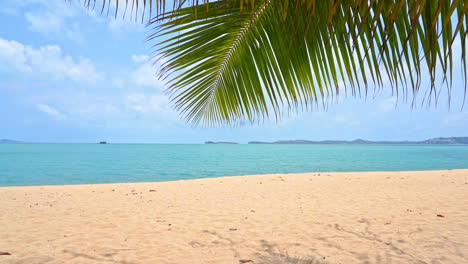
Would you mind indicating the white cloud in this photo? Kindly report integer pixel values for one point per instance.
(45, 22)
(347, 119)
(45, 61)
(455, 119)
(388, 104)
(96, 110)
(117, 82)
(140, 58)
(145, 75)
(121, 27)
(50, 111)
(148, 103)
(56, 19)
(51, 24)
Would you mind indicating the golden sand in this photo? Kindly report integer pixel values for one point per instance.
(372, 217)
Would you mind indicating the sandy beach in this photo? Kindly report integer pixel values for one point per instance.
(371, 217)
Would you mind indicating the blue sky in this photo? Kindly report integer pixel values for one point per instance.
(69, 75)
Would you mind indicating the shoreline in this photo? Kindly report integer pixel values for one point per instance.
(345, 217)
(243, 175)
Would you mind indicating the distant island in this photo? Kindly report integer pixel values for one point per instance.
(9, 141)
(432, 141)
(220, 142)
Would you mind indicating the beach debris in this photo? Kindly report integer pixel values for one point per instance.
(152, 190)
(195, 244)
(232, 229)
(245, 260)
(442, 216)
(4, 254)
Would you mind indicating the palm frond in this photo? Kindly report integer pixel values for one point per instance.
(232, 60)
(226, 64)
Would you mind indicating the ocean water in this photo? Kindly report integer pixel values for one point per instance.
(51, 164)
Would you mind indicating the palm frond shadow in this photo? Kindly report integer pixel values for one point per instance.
(271, 254)
(285, 258)
(103, 258)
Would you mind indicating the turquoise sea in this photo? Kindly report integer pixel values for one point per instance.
(50, 164)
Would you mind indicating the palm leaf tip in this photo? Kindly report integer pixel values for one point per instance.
(135, 9)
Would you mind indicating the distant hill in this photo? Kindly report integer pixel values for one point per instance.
(449, 140)
(432, 141)
(220, 142)
(9, 141)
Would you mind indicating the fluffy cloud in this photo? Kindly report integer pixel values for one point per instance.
(347, 119)
(140, 58)
(56, 19)
(45, 61)
(145, 75)
(50, 111)
(120, 27)
(53, 25)
(148, 103)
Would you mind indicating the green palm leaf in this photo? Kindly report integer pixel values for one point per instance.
(233, 60)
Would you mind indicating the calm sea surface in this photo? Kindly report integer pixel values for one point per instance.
(47, 164)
